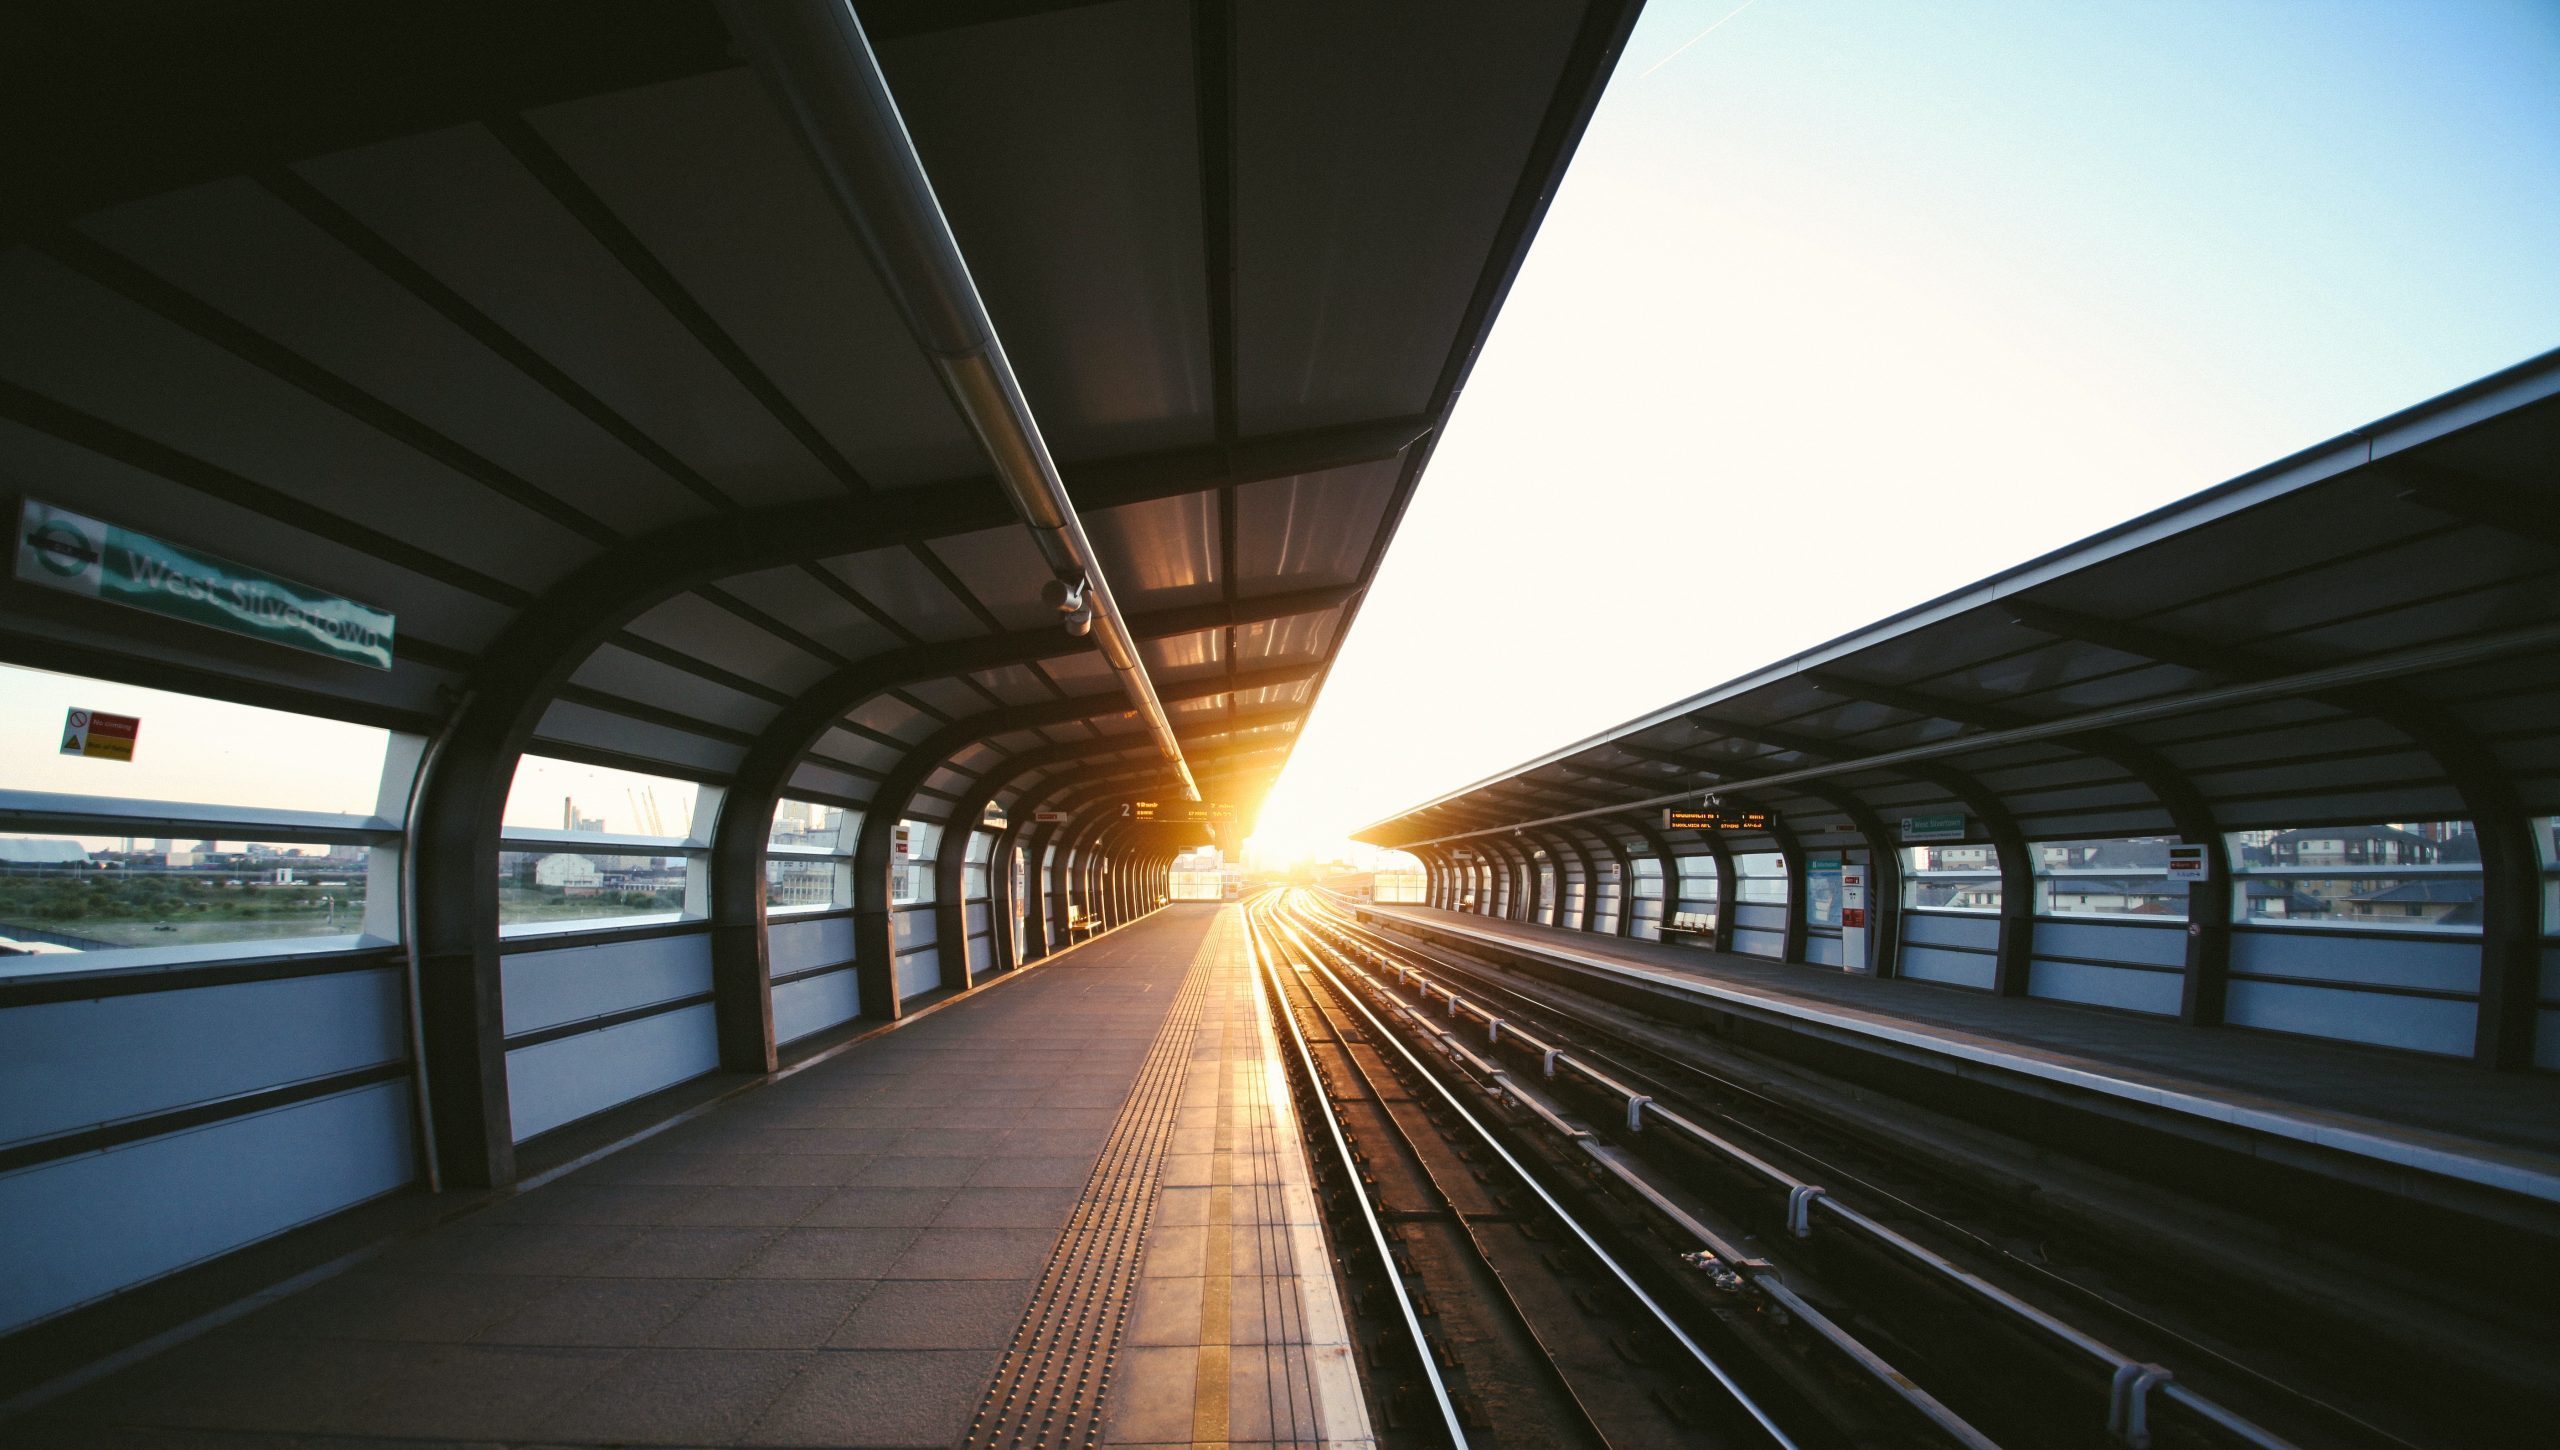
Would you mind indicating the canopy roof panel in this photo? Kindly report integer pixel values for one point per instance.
(534, 325)
(2368, 630)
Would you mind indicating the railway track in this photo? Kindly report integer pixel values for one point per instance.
(1834, 1321)
(1502, 1299)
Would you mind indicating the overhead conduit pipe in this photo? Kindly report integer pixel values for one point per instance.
(818, 63)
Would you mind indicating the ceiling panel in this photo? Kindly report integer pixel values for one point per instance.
(1348, 112)
(237, 248)
(1063, 147)
(1310, 531)
(695, 626)
(707, 176)
(71, 340)
(814, 609)
(1015, 685)
(1161, 554)
(1003, 568)
(901, 586)
(457, 204)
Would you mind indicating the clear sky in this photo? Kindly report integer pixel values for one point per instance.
(1852, 302)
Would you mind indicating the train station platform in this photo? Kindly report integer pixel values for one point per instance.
(1073, 1208)
(2499, 1131)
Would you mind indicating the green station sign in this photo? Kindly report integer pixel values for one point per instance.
(58, 549)
(1933, 828)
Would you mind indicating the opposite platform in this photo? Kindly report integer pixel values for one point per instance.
(1069, 1209)
(2497, 1130)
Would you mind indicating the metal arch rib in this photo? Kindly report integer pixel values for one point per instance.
(817, 61)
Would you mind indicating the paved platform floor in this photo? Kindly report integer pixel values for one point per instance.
(841, 1258)
(2512, 1116)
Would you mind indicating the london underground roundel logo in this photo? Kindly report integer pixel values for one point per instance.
(63, 549)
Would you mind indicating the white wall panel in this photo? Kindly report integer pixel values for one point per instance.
(560, 1082)
(2159, 946)
(2446, 966)
(571, 984)
(814, 1004)
(71, 1065)
(1931, 964)
(1757, 916)
(919, 972)
(2423, 1024)
(2125, 987)
(1932, 929)
(82, 1228)
(796, 946)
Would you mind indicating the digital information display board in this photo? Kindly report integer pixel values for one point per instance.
(1180, 813)
(1713, 818)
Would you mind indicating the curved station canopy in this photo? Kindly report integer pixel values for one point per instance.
(535, 326)
(545, 330)
(2364, 632)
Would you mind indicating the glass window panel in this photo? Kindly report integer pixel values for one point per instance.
(1964, 877)
(911, 854)
(538, 887)
(1761, 876)
(563, 795)
(2125, 877)
(61, 894)
(810, 826)
(204, 752)
(807, 883)
(2421, 876)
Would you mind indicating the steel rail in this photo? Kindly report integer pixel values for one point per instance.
(1757, 1272)
(1662, 1316)
(2130, 1379)
(1378, 1239)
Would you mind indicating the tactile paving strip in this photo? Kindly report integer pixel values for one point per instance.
(1047, 1391)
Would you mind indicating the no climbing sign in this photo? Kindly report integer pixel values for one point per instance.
(99, 735)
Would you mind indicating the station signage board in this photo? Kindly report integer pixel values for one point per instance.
(1049, 818)
(99, 735)
(1933, 828)
(2187, 863)
(1188, 813)
(58, 549)
(1713, 818)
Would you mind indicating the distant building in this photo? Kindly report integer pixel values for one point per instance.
(2352, 846)
(2436, 901)
(575, 875)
